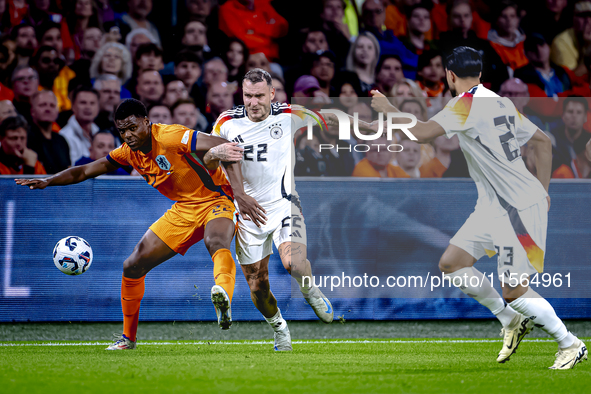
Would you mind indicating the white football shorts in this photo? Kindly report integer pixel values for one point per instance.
(517, 237)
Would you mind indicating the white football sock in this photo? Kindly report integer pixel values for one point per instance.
(277, 322)
(482, 291)
(534, 306)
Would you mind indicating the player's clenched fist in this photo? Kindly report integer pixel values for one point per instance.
(380, 103)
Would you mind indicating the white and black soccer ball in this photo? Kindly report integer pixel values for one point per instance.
(72, 255)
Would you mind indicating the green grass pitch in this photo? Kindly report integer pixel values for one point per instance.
(418, 365)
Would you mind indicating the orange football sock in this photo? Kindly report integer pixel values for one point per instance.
(224, 271)
(132, 292)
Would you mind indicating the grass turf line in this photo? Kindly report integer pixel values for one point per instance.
(369, 366)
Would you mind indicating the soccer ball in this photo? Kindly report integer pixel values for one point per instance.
(72, 255)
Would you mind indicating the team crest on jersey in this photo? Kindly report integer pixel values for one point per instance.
(163, 162)
(276, 132)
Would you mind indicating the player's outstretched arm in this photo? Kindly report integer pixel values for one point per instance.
(218, 149)
(249, 207)
(424, 132)
(71, 175)
(542, 147)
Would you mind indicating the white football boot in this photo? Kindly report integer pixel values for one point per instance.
(512, 335)
(122, 343)
(282, 340)
(223, 309)
(571, 356)
(320, 304)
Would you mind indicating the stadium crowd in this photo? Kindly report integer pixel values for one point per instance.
(66, 64)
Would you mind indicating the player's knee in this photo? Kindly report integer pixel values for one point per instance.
(215, 242)
(132, 268)
(259, 284)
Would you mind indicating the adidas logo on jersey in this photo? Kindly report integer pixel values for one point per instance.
(501, 104)
(238, 139)
(296, 234)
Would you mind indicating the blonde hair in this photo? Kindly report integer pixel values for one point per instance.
(126, 65)
(350, 65)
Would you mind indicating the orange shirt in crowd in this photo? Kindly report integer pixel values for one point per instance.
(439, 22)
(39, 169)
(432, 169)
(396, 21)
(365, 169)
(513, 57)
(258, 28)
(563, 172)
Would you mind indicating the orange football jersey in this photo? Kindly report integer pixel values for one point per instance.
(172, 166)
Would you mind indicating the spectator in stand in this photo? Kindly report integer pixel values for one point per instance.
(363, 111)
(138, 37)
(388, 73)
(108, 87)
(214, 71)
(7, 110)
(258, 60)
(255, 23)
(314, 41)
(348, 90)
(543, 77)
(440, 163)
(112, 58)
(136, 17)
(408, 159)
(195, 39)
(506, 38)
(337, 161)
(186, 113)
(149, 87)
(580, 166)
(51, 147)
(15, 157)
(26, 43)
(25, 82)
(431, 74)
(89, 45)
(82, 15)
(323, 69)
(415, 106)
(53, 74)
(187, 68)
(396, 19)
(81, 127)
(308, 86)
(567, 46)
(549, 20)
(574, 116)
(149, 57)
(174, 90)
(160, 113)
(363, 58)
(235, 58)
(373, 19)
(337, 33)
(219, 99)
(279, 86)
(102, 143)
(494, 71)
(406, 88)
(419, 24)
(377, 162)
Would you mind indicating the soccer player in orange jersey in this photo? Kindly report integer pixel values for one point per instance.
(165, 155)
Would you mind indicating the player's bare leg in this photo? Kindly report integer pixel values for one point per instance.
(571, 350)
(458, 264)
(147, 254)
(257, 277)
(217, 238)
(294, 258)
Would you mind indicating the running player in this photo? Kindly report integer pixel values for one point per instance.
(511, 214)
(165, 155)
(266, 133)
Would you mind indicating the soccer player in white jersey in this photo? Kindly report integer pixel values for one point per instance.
(269, 207)
(511, 214)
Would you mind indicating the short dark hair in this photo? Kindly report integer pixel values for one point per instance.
(180, 102)
(17, 28)
(157, 105)
(45, 27)
(383, 59)
(465, 62)
(103, 131)
(575, 99)
(40, 51)
(130, 107)
(257, 75)
(501, 6)
(426, 57)
(82, 89)
(427, 5)
(187, 56)
(146, 49)
(13, 123)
